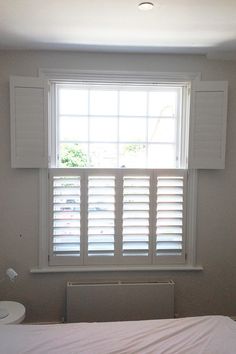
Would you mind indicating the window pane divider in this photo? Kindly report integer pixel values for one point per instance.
(115, 116)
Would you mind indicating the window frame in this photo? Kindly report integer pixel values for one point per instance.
(191, 203)
(179, 119)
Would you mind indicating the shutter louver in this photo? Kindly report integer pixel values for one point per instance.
(136, 215)
(66, 216)
(169, 225)
(101, 215)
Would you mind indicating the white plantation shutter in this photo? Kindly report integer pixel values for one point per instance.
(170, 217)
(29, 122)
(136, 201)
(101, 216)
(66, 219)
(207, 138)
(117, 216)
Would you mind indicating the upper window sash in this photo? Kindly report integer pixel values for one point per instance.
(180, 118)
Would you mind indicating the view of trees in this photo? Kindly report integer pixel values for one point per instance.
(73, 156)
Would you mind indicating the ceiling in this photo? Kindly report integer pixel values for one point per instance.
(172, 26)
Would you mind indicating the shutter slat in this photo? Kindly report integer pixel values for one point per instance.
(169, 213)
(166, 229)
(171, 206)
(135, 222)
(134, 238)
(67, 247)
(105, 230)
(170, 237)
(66, 239)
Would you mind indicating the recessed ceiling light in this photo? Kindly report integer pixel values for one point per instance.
(145, 6)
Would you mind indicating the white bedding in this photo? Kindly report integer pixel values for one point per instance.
(193, 335)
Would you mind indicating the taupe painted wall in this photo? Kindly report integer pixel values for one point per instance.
(212, 291)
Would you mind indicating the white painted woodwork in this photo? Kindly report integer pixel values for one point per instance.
(117, 216)
(29, 122)
(207, 138)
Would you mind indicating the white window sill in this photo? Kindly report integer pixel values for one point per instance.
(60, 269)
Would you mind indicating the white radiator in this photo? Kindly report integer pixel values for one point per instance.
(119, 301)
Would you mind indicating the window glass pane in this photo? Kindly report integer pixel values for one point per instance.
(162, 130)
(103, 102)
(103, 129)
(133, 103)
(73, 128)
(74, 155)
(118, 121)
(103, 155)
(132, 155)
(162, 104)
(73, 101)
(162, 155)
(132, 129)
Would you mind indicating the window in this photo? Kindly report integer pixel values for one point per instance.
(118, 155)
(117, 190)
(119, 126)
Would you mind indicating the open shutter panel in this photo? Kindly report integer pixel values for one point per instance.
(29, 122)
(207, 136)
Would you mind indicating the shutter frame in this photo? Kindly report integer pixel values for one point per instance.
(203, 93)
(24, 151)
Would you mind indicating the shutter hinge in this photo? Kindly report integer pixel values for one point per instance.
(186, 256)
(48, 258)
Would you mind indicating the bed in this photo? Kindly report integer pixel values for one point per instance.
(193, 335)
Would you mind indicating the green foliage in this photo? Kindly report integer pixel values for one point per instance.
(73, 156)
(134, 148)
